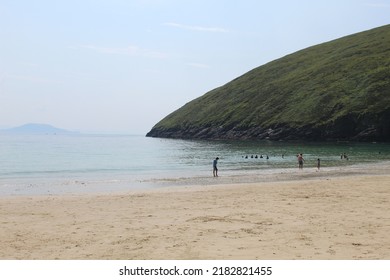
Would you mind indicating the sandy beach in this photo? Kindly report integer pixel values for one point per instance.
(307, 217)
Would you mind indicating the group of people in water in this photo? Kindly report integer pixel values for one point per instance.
(256, 156)
(299, 158)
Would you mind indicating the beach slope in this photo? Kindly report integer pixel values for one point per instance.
(344, 217)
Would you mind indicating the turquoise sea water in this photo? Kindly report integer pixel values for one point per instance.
(36, 160)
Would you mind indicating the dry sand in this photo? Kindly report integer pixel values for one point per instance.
(345, 217)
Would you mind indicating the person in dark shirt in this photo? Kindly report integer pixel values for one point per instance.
(215, 169)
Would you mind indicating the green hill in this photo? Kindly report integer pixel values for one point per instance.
(335, 90)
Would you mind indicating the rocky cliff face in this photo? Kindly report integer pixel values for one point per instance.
(350, 128)
(338, 90)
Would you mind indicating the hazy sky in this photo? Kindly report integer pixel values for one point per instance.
(117, 66)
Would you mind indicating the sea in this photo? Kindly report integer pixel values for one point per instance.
(84, 163)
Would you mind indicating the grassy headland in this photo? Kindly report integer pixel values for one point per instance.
(335, 90)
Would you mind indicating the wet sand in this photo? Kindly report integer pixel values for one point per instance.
(333, 215)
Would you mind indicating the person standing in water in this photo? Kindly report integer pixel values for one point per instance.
(300, 161)
(318, 164)
(215, 169)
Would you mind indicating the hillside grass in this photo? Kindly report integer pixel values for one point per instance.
(312, 87)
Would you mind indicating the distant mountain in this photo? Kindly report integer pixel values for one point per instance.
(339, 90)
(35, 128)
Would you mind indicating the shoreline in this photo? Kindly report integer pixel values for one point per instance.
(277, 175)
(328, 217)
(122, 183)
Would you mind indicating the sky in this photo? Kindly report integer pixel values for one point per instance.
(120, 66)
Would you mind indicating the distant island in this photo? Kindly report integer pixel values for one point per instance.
(35, 128)
(339, 90)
